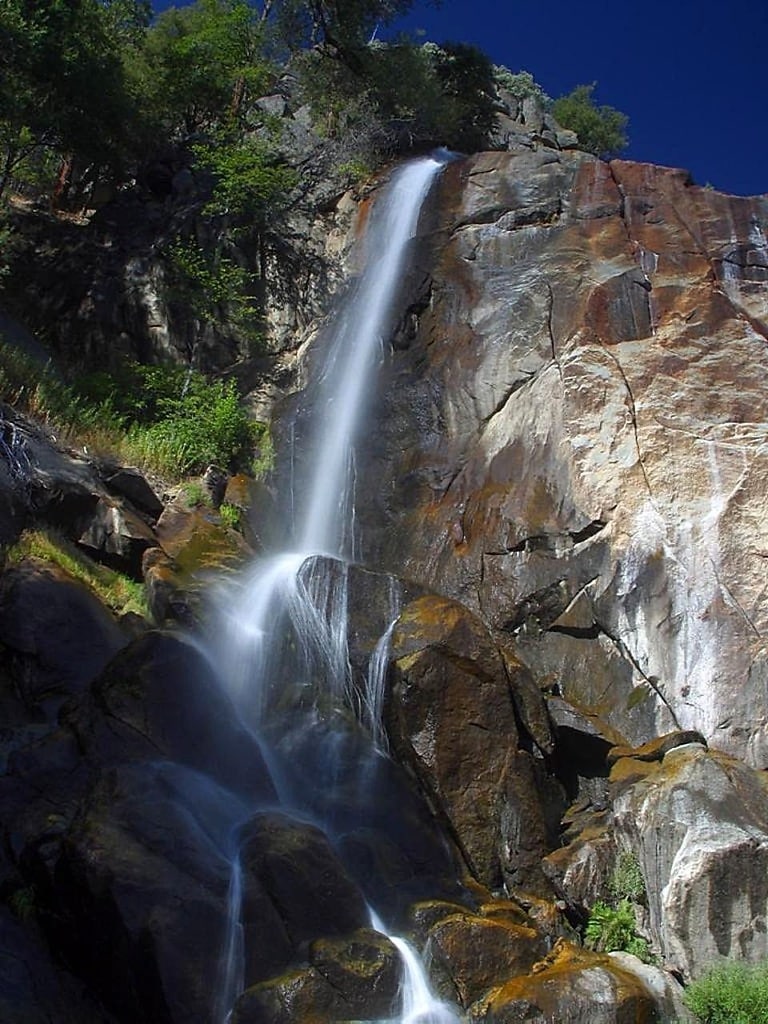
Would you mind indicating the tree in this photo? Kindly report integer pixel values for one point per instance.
(201, 64)
(61, 82)
(403, 96)
(601, 130)
(466, 79)
(342, 27)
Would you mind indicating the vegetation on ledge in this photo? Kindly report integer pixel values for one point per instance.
(115, 590)
(168, 419)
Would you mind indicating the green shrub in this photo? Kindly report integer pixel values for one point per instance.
(733, 993)
(168, 418)
(626, 881)
(230, 515)
(194, 494)
(521, 84)
(264, 461)
(203, 424)
(207, 282)
(611, 929)
(601, 130)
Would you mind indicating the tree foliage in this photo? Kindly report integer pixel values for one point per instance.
(601, 130)
(201, 65)
(61, 82)
(407, 96)
(341, 27)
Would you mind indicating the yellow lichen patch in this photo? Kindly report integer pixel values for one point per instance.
(505, 909)
(426, 615)
(569, 976)
(628, 770)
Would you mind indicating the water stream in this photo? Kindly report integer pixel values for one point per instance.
(279, 634)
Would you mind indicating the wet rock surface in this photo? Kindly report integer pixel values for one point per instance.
(562, 509)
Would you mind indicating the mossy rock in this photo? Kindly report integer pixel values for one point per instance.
(571, 986)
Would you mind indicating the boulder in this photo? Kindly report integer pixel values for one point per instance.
(160, 699)
(169, 603)
(698, 821)
(572, 986)
(146, 867)
(197, 543)
(57, 636)
(472, 953)
(33, 988)
(452, 719)
(580, 869)
(302, 996)
(115, 535)
(131, 484)
(383, 828)
(365, 969)
(294, 863)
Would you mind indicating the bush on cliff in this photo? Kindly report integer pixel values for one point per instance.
(601, 130)
(733, 993)
(611, 929)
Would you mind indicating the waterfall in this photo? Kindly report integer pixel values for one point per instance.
(231, 968)
(419, 1005)
(279, 634)
(373, 696)
(362, 328)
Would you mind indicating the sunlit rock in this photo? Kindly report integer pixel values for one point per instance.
(698, 821)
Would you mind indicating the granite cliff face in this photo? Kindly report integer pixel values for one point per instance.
(578, 430)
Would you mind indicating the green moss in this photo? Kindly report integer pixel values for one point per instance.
(114, 589)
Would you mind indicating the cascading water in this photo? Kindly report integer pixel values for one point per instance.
(280, 634)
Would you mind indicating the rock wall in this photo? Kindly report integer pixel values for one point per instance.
(577, 428)
(566, 473)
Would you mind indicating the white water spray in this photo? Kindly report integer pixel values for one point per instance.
(231, 971)
(250, 615)
(280, 636)
(361, 330)
(419, 1004)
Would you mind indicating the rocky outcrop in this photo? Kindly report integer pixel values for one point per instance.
(452, 720)
(699, 823)
(577, 987)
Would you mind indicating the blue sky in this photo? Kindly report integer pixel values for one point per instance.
(692, 75)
